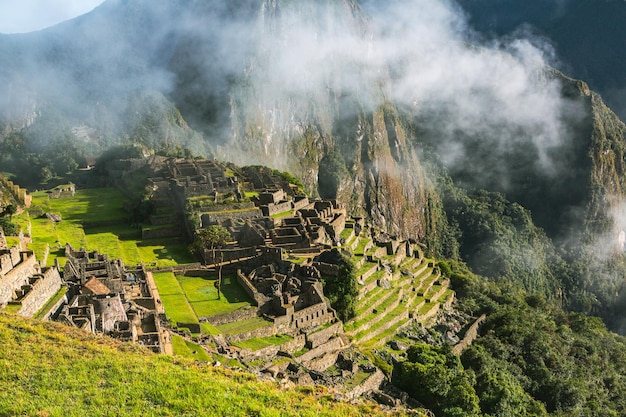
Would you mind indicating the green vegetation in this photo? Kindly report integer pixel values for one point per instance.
(243, 326)
(189, 350)
(260, 343)
(49, 369)
(533, 352)
(341, 291)
(174, 300)
(437, 379)
(185, 299)
(95, 219)
(202, 295)
(498, 239)
(533, 358)
(212, 237)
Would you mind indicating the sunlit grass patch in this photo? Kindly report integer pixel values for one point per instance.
(263, 342)
(189, 349)
(243, 326)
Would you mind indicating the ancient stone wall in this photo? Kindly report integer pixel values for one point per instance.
(330, 346)
(148, 303)
(370, 384)
(369, 272)
(271, 196)
(470, 336)
(430, 313)
(193, 327)
(328, 270)
(17, 277)
(323, 362)
(161, 232)
(300, 201)
(316, 339)
(241, 314)
(53, 312)
(164, 219)
(42, 290)
(315, 315)
(214, 256)
(226, 207)
(294, 345)
(208, 219)
(276, 208)
(336, 226)
(19, 194)
(265, 331)
(287, 240)
(259, 298)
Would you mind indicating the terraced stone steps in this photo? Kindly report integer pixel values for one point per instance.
(401, 312)
(398, 305)
(388, 304)
(417, 293)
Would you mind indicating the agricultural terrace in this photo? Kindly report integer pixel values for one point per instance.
(95, 219)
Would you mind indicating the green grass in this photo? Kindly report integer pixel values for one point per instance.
(187, 298)
(175, 303)
(345, 233)
(243, 326)
(13, 241)
(202, 295)
(167, 283)
(189, 349)
(83, 225)
(97, 204)
(281, 215)
(366, 267)
(12, 308)
(260, 343)
(361, 246)
(356, 379)
(380, 274)
(52, 370)
(371, 299)
(381, 312)
(208, 328)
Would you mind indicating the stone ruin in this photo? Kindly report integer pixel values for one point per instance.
(24, 284)
(105, 296)
(291, 295)
(201, 177)
(313, 227)
(61, 191)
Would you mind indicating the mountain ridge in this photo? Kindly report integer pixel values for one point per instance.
(348, 104)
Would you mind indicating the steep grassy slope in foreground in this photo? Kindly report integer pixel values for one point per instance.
(50, 370)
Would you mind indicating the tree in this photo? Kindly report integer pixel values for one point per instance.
(212, 237)
(5, 220)
(9, 211)
(435, 377)
(342, 291)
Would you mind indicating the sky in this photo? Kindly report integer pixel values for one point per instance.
(20, 16)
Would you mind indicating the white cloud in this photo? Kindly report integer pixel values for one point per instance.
(20, 16)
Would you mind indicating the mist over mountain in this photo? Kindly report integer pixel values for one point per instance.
(399, 108)
(585, 38)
